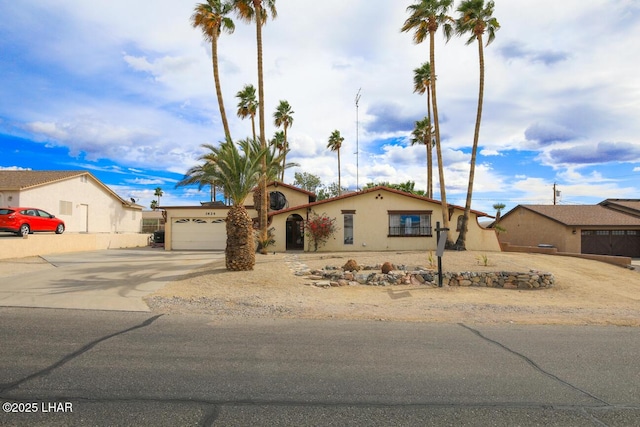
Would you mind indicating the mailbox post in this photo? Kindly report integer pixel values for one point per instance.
(441, 237)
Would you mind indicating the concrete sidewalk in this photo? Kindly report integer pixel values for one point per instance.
(116, 279)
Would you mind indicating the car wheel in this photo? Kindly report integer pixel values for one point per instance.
(24, 230)
(60, 229)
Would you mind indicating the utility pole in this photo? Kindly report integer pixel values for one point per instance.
(357, 142)
(556, 194)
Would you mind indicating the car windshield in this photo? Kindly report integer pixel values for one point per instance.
(6, 211)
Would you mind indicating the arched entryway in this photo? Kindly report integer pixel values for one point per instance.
(295, 233)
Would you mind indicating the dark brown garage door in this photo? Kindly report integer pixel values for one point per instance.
(611, 242)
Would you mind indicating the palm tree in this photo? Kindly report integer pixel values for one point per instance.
(238, 172)
(201, 174)
(248, 105)
(211, 18)
(158, 193)
(425, 18)
(258, 11)
(335, 142)
(475, 18)
(283, 117)
(278, 141)
(422, 135)
(421, 85)
(498, 207)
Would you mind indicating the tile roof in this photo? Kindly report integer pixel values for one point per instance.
(23, 179)
(371, 190)
(584, 215)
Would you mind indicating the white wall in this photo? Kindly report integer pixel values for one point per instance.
(104, 212)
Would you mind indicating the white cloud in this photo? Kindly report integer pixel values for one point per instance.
(140, 91)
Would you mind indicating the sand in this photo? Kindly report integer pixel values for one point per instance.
(586, 292)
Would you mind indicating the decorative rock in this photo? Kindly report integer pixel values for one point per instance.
(387, 267)
(351, 265)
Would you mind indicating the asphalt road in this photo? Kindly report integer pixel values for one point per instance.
(120, 368)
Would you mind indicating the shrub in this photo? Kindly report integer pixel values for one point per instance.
(319, 229)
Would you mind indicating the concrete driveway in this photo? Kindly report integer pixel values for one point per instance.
(116, 279)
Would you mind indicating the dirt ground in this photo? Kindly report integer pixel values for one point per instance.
(586, 292)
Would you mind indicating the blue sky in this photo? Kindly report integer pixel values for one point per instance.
(126, 91)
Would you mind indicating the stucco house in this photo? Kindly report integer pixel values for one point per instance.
(203, 227)
(84, 203)
(611, 227)
(376, 219)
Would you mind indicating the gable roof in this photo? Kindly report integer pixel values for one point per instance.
(26, 179)
(629, 206)
(294, 188)
(370, 190)
(581, 215)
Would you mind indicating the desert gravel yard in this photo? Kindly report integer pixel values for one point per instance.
(586, 292)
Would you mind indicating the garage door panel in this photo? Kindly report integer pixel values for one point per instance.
(611, 242)
(198, 234)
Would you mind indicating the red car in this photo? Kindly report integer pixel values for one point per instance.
(23, 221)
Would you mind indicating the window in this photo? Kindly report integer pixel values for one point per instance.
(410, 223)
(348, 228)
(66, 208)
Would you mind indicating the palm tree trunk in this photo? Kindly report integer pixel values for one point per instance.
(284, 159)
(240, 252)
(253, 126)
(216, 78)
(339, 184)
(429, 145)
(263, 143)
(443, 193)
(462, 237)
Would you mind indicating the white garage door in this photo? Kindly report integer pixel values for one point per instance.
(198, 233)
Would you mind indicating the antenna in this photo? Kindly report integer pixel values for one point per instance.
(357, 142)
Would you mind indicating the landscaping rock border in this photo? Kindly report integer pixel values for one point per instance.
(372, 276)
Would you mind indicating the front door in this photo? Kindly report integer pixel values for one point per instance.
(295, 233)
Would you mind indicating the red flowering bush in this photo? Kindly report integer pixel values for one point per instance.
(319, 228)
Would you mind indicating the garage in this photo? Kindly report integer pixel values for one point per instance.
(198, 234)
(611, 242)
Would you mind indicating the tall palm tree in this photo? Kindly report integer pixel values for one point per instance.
(211, 17)
(425, 18)
(498, 207)
(283, 117)
(422, 135)
(421, 85)
(278, 142)
(475, 18)
(158, 193)
(258, 11)
(335, 143)
(239, 169)
(248, 105)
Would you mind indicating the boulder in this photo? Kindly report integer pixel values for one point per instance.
(351, 265)
(387, 267)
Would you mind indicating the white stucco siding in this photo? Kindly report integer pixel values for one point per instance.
(207, 233)
(84, 205)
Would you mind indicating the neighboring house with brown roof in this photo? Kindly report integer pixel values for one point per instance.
(376, 219)
(609, 228)
(84, 203)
